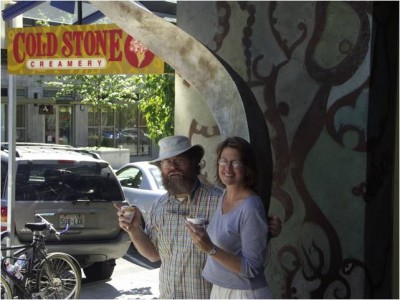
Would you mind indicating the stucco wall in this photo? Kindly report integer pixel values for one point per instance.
(309, 66)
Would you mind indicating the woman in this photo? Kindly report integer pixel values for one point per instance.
(235, 239)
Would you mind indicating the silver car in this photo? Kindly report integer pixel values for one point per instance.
(142, 184)
(70, 188)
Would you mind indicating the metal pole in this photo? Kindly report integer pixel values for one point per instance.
(12, 116)
(80, 13)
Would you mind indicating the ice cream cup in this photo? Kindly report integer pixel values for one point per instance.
(128, 212)
(199, 222)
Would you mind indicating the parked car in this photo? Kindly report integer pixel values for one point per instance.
(131, 136)
(126, 136)
(110, 138)
(142, 184)
(111, 134)
(69, 187)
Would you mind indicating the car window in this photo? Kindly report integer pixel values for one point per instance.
(130, 177)
(155, 172)
(66, 181)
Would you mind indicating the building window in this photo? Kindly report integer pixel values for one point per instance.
(22, 92)
(20, 123)
(101, 128)
(121, 127)
(51, 93)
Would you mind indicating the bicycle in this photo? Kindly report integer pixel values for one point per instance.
(42, 276)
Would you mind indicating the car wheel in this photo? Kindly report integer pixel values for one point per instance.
(100, 270)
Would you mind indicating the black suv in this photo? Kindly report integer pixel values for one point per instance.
(74, 187)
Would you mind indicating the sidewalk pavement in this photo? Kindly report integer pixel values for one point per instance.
(135, 285)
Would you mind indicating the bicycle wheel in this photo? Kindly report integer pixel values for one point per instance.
(59, 277)
(5, 237)
(5, 289)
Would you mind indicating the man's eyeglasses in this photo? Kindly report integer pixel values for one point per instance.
(167, 164)
(234, 163)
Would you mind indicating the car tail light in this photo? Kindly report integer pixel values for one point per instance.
(3, 218)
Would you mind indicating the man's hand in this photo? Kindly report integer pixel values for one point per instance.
(274, 226)
(140, 240)
(124, 221)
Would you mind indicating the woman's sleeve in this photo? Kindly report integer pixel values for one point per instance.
(254, 235)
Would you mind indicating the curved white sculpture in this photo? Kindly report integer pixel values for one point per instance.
(190, 59)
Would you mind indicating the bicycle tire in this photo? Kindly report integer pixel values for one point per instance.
(59, 277)
(5, 289)
(5, 237)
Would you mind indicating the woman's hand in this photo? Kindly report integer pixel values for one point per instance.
(199, 237)
(203, 243)
(274, 226)
(124, 223)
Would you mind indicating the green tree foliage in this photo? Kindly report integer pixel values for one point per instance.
(100, 91)
(157, 103)
(154, 93)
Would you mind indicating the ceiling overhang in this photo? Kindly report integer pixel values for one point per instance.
(59, 9)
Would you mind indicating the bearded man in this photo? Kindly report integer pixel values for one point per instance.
(164, 237)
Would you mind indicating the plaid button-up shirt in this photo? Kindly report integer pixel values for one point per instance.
(181, 262)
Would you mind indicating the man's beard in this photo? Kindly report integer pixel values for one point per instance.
(178, 185)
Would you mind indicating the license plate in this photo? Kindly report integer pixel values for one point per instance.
(73, 220)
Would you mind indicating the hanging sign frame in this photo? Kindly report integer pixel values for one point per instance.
(78, 49)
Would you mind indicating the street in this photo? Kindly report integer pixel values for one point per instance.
(133, 278)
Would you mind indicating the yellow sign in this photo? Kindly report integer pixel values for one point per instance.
(78, 49)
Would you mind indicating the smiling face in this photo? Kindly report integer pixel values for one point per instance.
(236, 163)
(179, 174)
(231, 170)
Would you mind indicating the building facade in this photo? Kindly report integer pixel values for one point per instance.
(42, 117)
